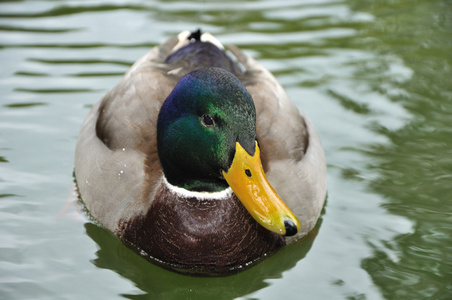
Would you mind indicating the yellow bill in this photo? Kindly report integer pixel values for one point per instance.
(247, 179)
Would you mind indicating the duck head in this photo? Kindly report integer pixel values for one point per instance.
(206, 140)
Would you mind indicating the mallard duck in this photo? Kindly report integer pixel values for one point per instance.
(199, 161)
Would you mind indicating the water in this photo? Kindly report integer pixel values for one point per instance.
(373, 76)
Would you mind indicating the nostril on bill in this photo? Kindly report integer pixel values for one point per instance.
(291, 228)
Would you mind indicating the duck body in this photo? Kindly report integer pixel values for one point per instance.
(156, 155)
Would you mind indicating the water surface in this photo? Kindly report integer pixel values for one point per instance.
(373, 76)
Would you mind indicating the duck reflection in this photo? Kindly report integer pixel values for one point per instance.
(157, 282)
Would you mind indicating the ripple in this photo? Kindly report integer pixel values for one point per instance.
(24, 105)
(80, 61)
(36, 30)
(71, 10)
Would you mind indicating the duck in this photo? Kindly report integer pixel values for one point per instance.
(199, 161)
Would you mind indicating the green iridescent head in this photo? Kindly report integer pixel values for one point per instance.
(199, 124)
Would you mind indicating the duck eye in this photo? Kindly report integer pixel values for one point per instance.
(207, 121)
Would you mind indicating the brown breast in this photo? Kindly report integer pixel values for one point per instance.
(199, 236)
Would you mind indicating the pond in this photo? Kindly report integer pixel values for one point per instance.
(375, 77)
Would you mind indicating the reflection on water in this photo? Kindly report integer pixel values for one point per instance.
(373, 76)
(415, 168)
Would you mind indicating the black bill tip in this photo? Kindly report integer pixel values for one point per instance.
(291, 228)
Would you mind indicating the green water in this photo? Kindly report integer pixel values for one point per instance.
(375, 77)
